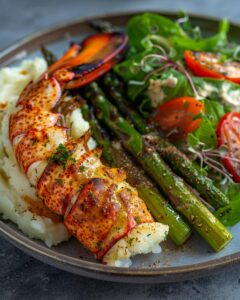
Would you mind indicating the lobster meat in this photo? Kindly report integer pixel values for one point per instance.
(98, 206)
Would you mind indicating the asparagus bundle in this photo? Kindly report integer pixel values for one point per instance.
(180, 163)
(115, 156)
(184, 200)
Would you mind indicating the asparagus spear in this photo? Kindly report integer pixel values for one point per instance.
(180, 163)
(99, 135)
(184, 200)
(115, 156)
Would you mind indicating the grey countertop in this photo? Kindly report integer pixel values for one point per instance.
(22, 277)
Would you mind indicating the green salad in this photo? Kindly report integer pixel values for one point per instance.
(167, 112)
(169, 60)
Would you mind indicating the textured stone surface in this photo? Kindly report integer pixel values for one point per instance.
(22, 277)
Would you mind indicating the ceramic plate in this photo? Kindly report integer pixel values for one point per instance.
(194, 259)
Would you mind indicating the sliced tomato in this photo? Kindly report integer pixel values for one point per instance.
(207, 64)
(228, 133)
(178, 117)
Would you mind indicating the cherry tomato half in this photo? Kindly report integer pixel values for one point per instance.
(178, 117)
(207, 64)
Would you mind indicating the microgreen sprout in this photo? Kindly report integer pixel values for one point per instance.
(210, 158)
(163, 61)
(61, 156)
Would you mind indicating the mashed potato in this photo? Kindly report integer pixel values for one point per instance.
(19, 202)
(144, 238)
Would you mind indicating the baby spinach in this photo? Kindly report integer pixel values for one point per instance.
(157, 29)
(148, 24)
(229, 215)
(206, 132)
(186, 24)
(213, 44)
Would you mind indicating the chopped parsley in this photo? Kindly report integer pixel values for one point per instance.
(138, 220)
(80, 187)
(34, 141)
(81, 168)
(47, 141)
(61, 156)
(59, 181)
(130, 241)
(118, 229)
(99, 245)
(90, 194)
(73, 160)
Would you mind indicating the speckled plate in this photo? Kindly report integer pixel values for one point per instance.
(194, 259)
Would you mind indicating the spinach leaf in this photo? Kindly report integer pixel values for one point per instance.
(145, 108)
(148, 24)
(214, 111)
(206, 132)
(185, 23)
(130, 68)
(213, 44)
(147, 29)
(230, 214)
(133, 75)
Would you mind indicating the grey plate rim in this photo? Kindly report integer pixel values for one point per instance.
(79, 266)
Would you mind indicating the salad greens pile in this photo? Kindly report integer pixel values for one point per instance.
(148, 29)
(229, 215)
(157, 46)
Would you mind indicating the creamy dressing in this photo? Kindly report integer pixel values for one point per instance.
(226, 94)
(155, 89)
(207, 90)
(230, 97)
